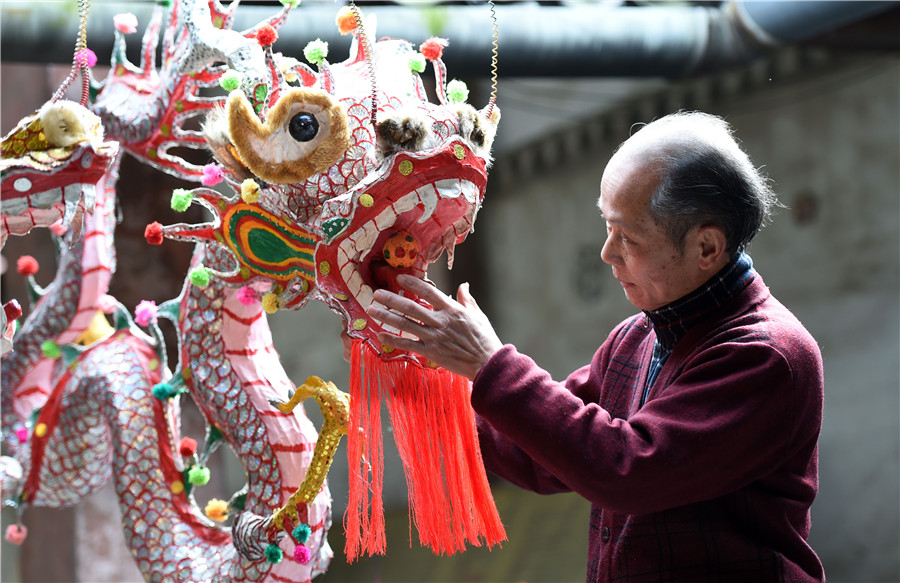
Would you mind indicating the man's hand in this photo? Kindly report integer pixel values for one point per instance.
(455, 335)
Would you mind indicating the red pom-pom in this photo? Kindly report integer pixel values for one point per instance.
(433, 48)
(187, 447)
(266, 35)
(27, 265)
(153, 233)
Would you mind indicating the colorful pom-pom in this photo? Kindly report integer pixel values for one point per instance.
(274, 554)
(250, 191)
(271, 303)
(163, 391)
(187, 447)
(302, 554)
(433, 48)
(457, 91)
(145, 313)
(181, 199)
(345, 20)
(417, 62)
(266, 35)
(198, 475)
(247, 296)
(301, 533)
(27, 265)
(200, 276)
(316, 51)
(212, 175)
(86, 57)
(125, 23)
(153, 233)
(50, 349)
(16, 533)
(216, 510)
(230, 80)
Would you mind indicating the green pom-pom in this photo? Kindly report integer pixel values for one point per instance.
(50, 349)
(417, 62)
(164, 3)
(181, 199)
(231, 80)
(200, 276)
(274, 554)
(457, 91)
(290, 3)
(316, 51)
(163, 391)
(301, 533)
(198, 476)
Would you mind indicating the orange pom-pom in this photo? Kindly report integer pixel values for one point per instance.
(27, 265)
(401, 250)
(345, 20)
(267, 35)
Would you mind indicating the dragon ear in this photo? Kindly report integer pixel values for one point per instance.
(304, 133)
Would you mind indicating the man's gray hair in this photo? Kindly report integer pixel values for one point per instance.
(705, 179)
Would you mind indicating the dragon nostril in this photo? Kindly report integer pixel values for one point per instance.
(303, 127)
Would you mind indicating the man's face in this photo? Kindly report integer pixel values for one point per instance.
(651, 269)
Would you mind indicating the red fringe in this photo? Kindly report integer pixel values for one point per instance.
(434, 427)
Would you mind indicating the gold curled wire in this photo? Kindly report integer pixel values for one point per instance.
(84, 7)
(367, 51)
(494, 49)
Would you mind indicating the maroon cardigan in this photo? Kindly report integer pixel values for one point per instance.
(711, 480)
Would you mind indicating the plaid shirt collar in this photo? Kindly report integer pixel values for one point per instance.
(671, 322)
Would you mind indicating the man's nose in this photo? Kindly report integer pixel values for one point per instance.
(609, 253)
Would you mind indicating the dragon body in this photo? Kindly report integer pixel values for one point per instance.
(321, 176)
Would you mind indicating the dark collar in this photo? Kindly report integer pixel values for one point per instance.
(671, 322)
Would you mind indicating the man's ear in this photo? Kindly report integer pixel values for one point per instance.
(713, 247)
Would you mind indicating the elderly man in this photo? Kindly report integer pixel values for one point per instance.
(693, 431)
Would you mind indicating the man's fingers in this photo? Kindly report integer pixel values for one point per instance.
(405, 306)
(424, 290)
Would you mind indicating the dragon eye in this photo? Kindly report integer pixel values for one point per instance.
(303, 127)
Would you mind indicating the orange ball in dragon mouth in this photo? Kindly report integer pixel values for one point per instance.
(401, 250)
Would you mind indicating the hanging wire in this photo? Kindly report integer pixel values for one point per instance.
(494, 45)
(367, 51)
(79, 60)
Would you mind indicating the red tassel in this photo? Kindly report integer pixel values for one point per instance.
(434, 427)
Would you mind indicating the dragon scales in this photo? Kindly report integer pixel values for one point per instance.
(297, 216)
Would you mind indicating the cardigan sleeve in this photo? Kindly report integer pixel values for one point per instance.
(728, 419)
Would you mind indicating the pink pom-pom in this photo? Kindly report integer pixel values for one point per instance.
(16, 534)
(302, 554)
(125, 23)
(247, 296)
(22, 434)
(433, 48)
(266, 35)
(58, 228)
(86, 57)
(212, 175)
(145, 313)
(27, 265)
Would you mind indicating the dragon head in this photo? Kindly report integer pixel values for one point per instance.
(343, 177)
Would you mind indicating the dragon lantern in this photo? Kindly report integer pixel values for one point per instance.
(328, 180)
